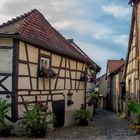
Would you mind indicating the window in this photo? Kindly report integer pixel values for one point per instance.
(136, 89)
(45, 70)
(129, 87)
(44, 62)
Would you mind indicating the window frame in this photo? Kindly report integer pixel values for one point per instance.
(45, 58)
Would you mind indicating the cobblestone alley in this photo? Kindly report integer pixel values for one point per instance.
(106, 126)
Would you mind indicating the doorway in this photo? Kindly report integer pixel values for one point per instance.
(59, 112)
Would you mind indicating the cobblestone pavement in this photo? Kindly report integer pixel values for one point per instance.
(106, 126)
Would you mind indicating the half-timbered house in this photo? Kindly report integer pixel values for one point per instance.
(132, 67)
(39, 66)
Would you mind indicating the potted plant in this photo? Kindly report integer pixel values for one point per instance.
(94, 98)
(93, 77)
(35, 122)
(5, 128)
(83, 77)
(46, 72)
(82, 116)
(70, 102)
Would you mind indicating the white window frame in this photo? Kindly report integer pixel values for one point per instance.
(46, 62)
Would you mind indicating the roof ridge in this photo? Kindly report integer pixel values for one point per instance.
(57, 32)
(115, 60)
(60, 34)
(13, 20)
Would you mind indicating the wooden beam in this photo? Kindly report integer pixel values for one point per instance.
(6, 47)
(14, 95)
(58, 72)
(29, 71)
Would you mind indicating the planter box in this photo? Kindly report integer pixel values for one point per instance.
(83, 122)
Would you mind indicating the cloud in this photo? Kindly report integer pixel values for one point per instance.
(96, 30)
(99, 54)
(85, 20)
(117, 11)
(121, 39)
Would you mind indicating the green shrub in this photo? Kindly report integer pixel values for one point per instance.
(82, 114)
(5, 128)
(94, 95)
(35, 122)
(134, 107)
(4, 108)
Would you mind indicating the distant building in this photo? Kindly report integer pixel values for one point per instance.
(39, 66)
(101, 82)
(114, 75)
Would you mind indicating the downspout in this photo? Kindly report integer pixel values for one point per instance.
(85, 85)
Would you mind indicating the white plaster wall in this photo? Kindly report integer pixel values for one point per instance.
(78, 99)
(6, 56)
(6, 60)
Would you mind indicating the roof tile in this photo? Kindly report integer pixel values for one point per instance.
(114, 65)
(34, 28)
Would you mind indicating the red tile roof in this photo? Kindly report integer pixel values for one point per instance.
(113, 65)
(34, 28)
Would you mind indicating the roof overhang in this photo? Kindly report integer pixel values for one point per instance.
(43, 46)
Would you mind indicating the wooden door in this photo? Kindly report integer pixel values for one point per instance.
(59, 112)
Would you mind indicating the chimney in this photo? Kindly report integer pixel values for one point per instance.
(71, 40)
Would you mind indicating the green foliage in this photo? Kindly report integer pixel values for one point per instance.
(82, 114)
(94, 94)
(134, 107)
(35, 122)
(5, 128)
(4, 107)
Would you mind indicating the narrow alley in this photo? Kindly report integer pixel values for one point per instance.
(106, 125)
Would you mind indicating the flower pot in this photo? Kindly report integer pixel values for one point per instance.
(38, 133)
(5, 132)
(138, 131)
(70, 102)
(90, 102)
(83, 122)
(92, 79)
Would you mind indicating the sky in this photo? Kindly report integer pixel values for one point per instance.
(99, 27)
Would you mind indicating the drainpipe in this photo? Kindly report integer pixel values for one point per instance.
(85, 86)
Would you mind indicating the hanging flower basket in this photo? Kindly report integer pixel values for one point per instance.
(92, 79)
(44, 72)
(83, 77)
(70, 102)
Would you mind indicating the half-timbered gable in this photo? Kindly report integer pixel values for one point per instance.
(46, 68)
